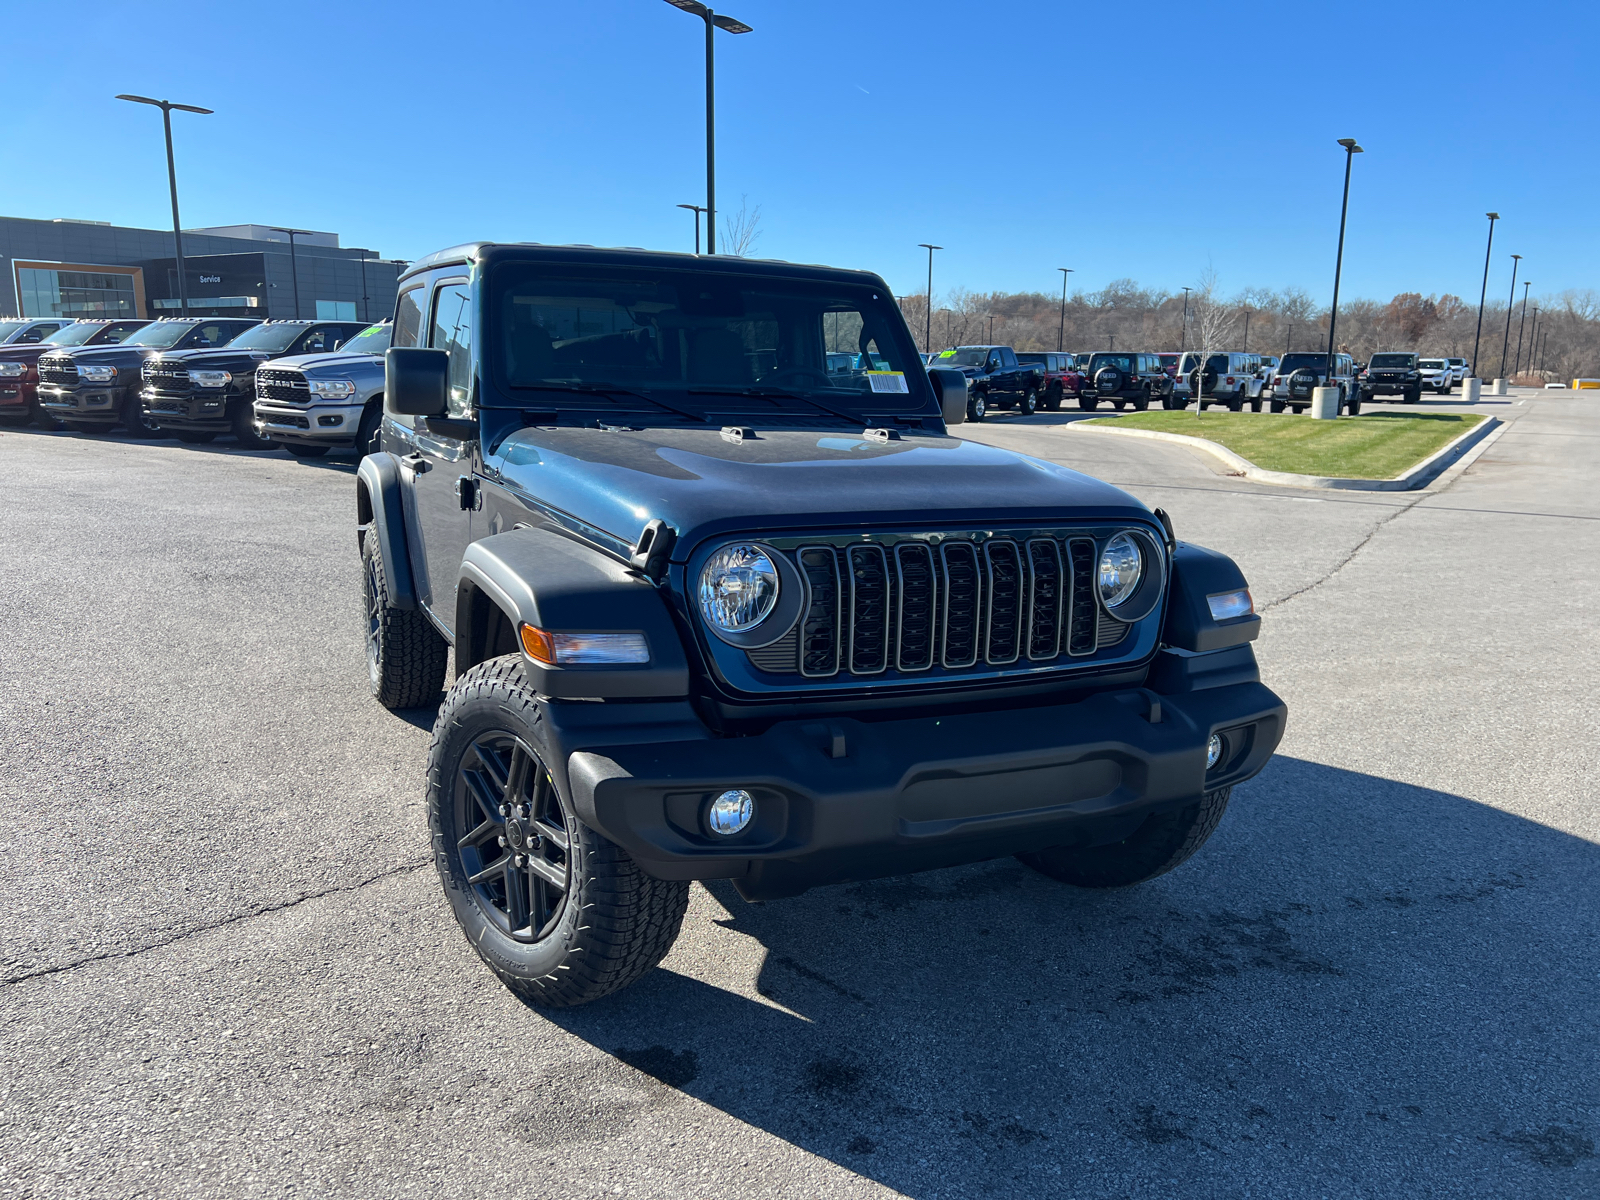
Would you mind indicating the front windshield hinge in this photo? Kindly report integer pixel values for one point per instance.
(649, 556)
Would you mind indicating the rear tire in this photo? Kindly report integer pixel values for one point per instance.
(1052, 399)
(1143, 402)
(1162, 842)
(305, 451)
(1088, 402)
(1029, 403)
(406, 655)
(1278, 406)
(569, 917)
(1354, 406)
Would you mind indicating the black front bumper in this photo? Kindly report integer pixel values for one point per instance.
(845, 799)
(1391, 387)
(197, 410)
(87, 404)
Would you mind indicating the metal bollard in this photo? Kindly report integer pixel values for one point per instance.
(1325, 403)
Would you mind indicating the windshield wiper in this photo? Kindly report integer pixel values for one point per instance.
(780, 394)
(602, 389)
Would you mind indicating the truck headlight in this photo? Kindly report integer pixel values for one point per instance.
(738, 588)
(210, 379)
(13, 370)
(96, 373)
(1121, 568)
(331, 389)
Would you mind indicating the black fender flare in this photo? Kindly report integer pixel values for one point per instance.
(1198, 573)
(380, 513)
(537, 577)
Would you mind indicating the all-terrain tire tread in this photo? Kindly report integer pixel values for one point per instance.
(412, 654)
(627, 920)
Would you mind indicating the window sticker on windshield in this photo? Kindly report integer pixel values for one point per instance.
(947, 354)
(888, 381)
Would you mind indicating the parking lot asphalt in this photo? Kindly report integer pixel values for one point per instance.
(226, 967)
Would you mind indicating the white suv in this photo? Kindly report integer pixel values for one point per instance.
(1437, 374)
(1458, 369)
(1232, 380)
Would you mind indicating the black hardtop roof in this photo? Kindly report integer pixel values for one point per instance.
(485, 253)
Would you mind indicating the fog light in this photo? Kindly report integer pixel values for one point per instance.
(1213, 751)
(731, 812)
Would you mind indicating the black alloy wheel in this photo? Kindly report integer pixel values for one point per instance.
(513, 833)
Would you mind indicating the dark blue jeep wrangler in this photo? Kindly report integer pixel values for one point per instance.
(722, 610)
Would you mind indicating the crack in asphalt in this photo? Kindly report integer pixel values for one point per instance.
(1355, 550)
(266, 910)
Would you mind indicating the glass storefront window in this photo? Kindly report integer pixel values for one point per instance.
(46, 293)
(336, 310)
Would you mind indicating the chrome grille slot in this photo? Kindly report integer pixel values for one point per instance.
(1003, 572)
(58, 370)
(869, 609)
(918, 616)
(819, 637)
(1047, 578)
(288, 386)
(1083, 629)
(962, 591)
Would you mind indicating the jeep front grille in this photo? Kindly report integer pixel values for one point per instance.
(288, 386)
(940, 604)
(58, 370)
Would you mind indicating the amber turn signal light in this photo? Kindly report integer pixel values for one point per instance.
(539, 645)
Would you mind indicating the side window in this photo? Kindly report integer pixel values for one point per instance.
(408, 318)
(1008, 357)
(452, 331)
(319, 340)
(209, 334)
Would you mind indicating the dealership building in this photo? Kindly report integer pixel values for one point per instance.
(96, 269)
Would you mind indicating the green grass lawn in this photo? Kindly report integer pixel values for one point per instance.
(1379, 446)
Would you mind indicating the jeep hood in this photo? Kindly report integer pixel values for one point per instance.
(703, 484)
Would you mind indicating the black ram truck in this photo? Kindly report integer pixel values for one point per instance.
(1392, 375)
(720, 613)
(995, 378)
(19, 364)
(97, 387)
(197, 394)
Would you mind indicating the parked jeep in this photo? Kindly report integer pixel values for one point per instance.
(19, 364)
(1061, 375)
(1122, 378)
(1231, 379)
(995, 379)
(1300, 374)
(718, 614)
(197, 394)
(312, 403)
(1393, 375)
(97, 387)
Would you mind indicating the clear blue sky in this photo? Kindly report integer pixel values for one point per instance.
(1023, 135)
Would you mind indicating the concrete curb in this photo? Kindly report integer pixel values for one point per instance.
(1419, 476)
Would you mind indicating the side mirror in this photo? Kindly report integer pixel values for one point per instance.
(951, 388)
(416, 382)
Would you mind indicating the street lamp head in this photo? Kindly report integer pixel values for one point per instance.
(926, 246)
(205, 112)
(691, 6)
(1517, 256)
(1350, 145)
(1492, 216)
(730, 25)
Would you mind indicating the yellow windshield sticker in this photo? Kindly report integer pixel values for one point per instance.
(888, 381)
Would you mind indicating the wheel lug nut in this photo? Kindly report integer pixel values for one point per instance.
(501, 839)
(520, 860)
(505, 810)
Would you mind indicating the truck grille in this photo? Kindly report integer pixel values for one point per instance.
(942, 604)
(168, 378)
(282, 385)
(58, 370)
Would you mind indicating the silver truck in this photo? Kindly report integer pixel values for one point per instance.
(312, 403)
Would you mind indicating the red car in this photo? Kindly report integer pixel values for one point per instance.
(1061, 376)
(1169, 364)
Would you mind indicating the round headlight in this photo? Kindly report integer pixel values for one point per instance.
(1121, 568)
(738, 588)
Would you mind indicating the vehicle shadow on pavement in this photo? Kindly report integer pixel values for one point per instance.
(1357, 979)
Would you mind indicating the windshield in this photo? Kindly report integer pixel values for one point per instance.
(374, 339)
(1434, 364)
(274, 339)
(101, 334)
(1391, 361)
(1299, 362)
(1168, 360)
(964, 356)
(7, 328)
(680, 339)
(161, 335)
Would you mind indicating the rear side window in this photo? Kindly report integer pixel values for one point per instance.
(209, 334)
(408, 318)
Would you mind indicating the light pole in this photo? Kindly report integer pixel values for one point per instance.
(697, 210)
(714, 21)
(1061, 330)
(927, 326)
(1511, 304)
(1520, 327)
(365, 315)
(1483, 294)
(1183, 334)
(1245, 349)
(1533, 336)
(166, 107)
(1288, 342)
(294, 265)
(1350, 152)
(991, 329)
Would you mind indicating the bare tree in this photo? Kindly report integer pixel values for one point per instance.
(741, 230)
(1214, 322)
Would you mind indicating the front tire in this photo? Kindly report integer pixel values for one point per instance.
(977, 407)
(406, 655)
(136, 423)
(1278, 406)
(562, 915)
(194, 437)
(305, 451)
(243, 424)
(1162, 842)
(1052, 400)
